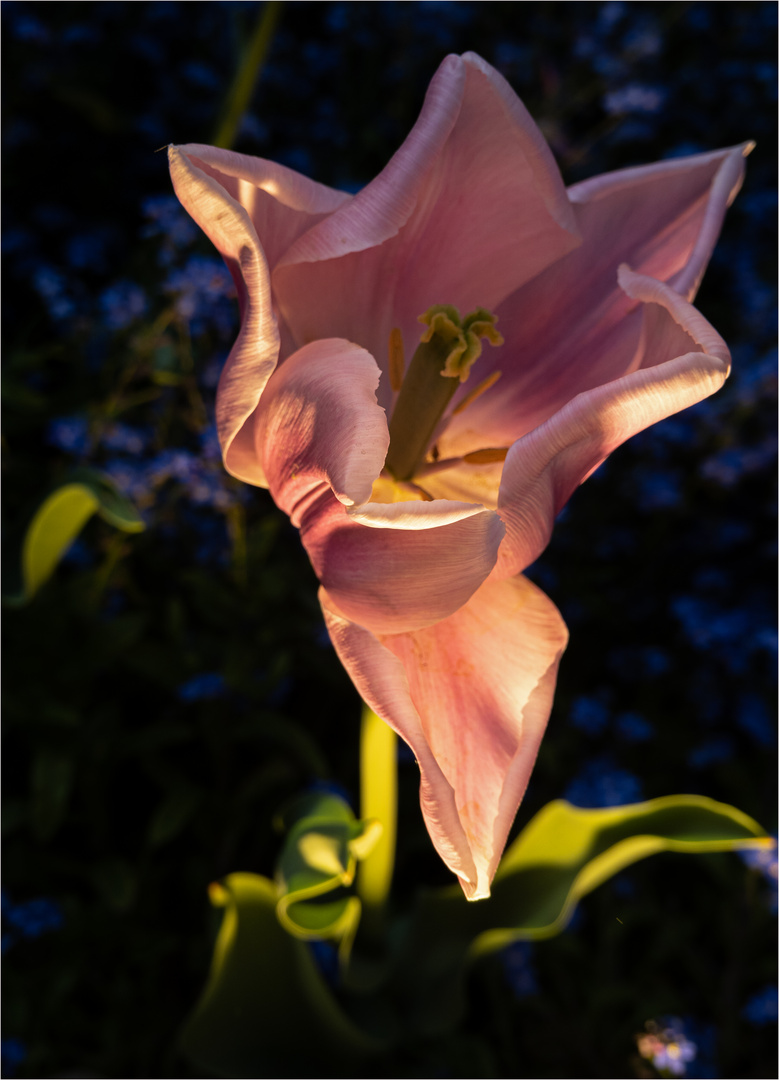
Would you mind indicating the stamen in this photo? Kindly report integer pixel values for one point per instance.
(477, 391)
(397, 359)
(485, 457)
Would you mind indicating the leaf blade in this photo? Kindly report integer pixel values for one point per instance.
(55, 525)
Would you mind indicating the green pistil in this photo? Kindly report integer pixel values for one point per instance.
(443, 359)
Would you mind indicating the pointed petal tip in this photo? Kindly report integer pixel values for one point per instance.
(479, 891)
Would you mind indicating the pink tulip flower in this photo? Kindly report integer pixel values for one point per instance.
(421, 559)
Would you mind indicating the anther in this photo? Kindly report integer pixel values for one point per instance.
(397, 359)
(485, 457)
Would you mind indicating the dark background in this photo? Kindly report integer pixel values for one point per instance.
(166, 692)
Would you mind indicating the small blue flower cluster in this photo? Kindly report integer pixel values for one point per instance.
(29, 919)
(168, 220)
(201, 475)
(203, 294)
(205, 687)
(121, 304)
(592, 715)
(728, 467)
(603, 783)
(733, 635)
(50, 284)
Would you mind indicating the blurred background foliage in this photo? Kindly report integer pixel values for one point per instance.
(166, 691)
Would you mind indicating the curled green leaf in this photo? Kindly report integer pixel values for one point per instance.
(320, 858)
(263, 991)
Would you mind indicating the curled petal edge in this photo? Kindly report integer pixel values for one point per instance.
(545, 467)
(414, 515)
(725, 185)
(254, 355)
(319, 421)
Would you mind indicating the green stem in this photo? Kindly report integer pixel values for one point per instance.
(378, 799)
(246, 77)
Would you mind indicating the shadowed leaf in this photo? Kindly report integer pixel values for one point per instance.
(266, 1009)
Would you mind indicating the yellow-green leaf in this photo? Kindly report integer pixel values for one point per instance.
(319, 858)
(56, 524)
(565, 852)
(561, 855)
(58, 521)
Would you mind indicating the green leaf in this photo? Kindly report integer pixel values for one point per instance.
(561, 855)
(113, 507)
(266, 1010)
(565, 852)
(320, 857)
(58, 521)
(56, 524)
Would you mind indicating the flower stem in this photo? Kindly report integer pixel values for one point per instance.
(378, 799)
(246, 77)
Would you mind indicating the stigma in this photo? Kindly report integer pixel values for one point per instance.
(447, 351)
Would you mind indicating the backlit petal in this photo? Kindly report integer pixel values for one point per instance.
(663, 221)
(319, 422)
(400, 577)
(413, 515)
(281, 203)
(680, 359)
(471, 696)
(469, 208)
(255, 352)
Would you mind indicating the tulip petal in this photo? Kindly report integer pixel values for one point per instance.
(235, 199)
(471, 696)
(281, 203)
(673, 212)
(319, 422)
(663, 220)
(470, 207)
(323, 439)
(405, 572)
(680, 360)
(255, 352)
(413, 515)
